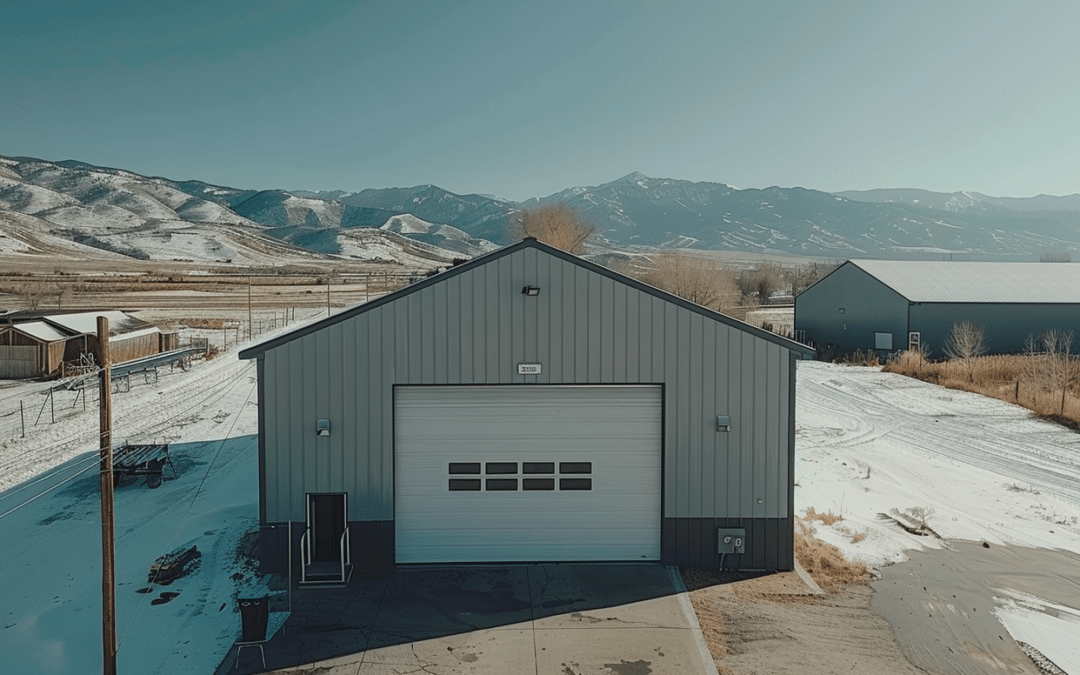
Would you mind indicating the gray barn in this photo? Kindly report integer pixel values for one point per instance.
(885, 305)
(527, 405)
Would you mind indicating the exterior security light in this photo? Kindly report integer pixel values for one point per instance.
(322, 427)
(530, 291)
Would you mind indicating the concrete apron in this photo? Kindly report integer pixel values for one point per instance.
(569, 619)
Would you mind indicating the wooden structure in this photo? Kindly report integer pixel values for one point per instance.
(38, 344)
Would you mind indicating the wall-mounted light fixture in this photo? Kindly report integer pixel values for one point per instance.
(530, 291)
(723, 423)
(322, 427)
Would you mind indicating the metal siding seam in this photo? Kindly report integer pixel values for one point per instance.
(743, 409)
(761, 426)
(454, 352)
(773, 374)
(581, 325)
(633, 328)
(335, 405)
(415, 338)
(505, 368)
(619, 333)
(694, 416)
(530, 325)
(595, 322)
(382, 419)
(673, 373)
(260, 385)
(720, 406)
(682, 367)
(789, 486)
(550, 322)
(441, 330)
(707, 411)
(607, 329)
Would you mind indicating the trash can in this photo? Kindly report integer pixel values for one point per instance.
(254, 614)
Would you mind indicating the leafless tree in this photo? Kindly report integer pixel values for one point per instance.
(1051, 364)
(693, 277)
(32, 293)
(759, 282)
(556, 224)
(965, 343)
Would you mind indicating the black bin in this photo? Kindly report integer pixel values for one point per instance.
(254, 614)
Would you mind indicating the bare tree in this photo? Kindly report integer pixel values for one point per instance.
(1051, 365)
(32, 292)
(693, 277)
(759, 282)
(965, 343)
(556, 224)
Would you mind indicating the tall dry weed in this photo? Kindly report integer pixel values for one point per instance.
(824, 562)
(1046, 384)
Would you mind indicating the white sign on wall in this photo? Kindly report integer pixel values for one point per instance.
(528, 369)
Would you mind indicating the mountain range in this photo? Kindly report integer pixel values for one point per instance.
(77, 209)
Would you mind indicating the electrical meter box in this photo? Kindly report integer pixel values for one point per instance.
(731, 540)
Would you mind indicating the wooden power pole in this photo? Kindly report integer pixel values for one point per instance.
(108, 546)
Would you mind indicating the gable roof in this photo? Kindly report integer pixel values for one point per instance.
(256, 350)
(41, 331)
(977, 282)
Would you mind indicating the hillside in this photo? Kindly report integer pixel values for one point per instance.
(76, 208)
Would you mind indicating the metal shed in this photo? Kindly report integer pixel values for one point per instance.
(885, 305)
(527, 405)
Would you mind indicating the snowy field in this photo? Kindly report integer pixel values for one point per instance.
(868, 443)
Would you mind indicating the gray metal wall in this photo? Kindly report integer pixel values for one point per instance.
(869, 307)
(584, 328)
(1006, 327)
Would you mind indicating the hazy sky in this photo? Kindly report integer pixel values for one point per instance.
(522, 99)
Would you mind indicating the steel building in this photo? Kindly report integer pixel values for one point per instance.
(887, 305)
(527, 405)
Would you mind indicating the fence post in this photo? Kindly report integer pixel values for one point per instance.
(22, 418)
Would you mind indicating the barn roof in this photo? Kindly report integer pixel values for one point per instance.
(39, 330)
(978, 282)
(257, 350)
(85, 323)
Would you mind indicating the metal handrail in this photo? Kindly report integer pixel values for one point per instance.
(345, 558)
(305, 553)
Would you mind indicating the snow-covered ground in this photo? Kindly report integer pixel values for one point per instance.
(870, 444)
(867, 443)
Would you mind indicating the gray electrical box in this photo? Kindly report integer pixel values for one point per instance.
(731, 540)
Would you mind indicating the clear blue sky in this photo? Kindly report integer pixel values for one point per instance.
(522, 99)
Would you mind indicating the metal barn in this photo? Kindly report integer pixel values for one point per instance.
(527, 405)
(887, 305)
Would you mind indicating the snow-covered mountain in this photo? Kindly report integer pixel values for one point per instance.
(126, 214)
(75, 209)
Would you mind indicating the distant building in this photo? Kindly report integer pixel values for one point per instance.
(884, 306)
(38, 344)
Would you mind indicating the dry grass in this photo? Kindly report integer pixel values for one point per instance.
(1023, 379)
(827, 518)
(859, 358)
(824, 562)
(858, 536)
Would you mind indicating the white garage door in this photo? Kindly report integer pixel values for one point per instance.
(527, 473)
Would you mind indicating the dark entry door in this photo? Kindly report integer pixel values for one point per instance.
(326, 518)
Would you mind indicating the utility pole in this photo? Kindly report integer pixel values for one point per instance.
(108, 546)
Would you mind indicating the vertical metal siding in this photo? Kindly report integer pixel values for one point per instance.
(869, 306)
(583, 328)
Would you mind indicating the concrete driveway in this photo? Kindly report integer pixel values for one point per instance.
(572, 619)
